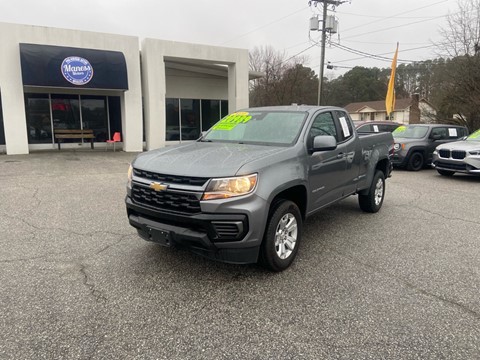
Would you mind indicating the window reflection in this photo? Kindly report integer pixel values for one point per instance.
(94, 116)
(190, 119)
(66, 112)
(39, 126)
(172, 120)
(210, 113)
(71, 112)
(193, 117)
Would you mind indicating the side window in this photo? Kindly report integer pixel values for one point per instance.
(455, 133)
(439, 133)
(364, 128)
(323, 125)
(346, 130)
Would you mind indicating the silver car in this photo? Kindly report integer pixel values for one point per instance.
(459, 156)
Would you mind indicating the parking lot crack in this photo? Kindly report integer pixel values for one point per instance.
(439, 214)
(412, 286)
(96, 294)
(446, 217)
(105, 248)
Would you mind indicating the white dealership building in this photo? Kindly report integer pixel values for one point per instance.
(154, 92)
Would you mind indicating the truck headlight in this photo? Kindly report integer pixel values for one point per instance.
(396, 147)
(129, 177)
(225, 188)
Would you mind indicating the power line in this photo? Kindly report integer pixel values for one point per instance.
(378, 56)
(392, 27)
(264, 26)
(378, 30)
(402, 13)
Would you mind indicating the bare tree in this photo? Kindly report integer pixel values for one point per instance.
(460, 79)
(461, 36)
(272, 88)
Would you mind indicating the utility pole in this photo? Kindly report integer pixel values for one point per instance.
(322, 54)
(325, 4)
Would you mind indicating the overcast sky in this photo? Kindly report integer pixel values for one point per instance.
(366, 26)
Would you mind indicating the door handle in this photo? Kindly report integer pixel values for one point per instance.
(340, 156)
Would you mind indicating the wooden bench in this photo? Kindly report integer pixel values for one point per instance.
(61, 134)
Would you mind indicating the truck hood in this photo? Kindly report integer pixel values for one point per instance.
(202, 159)
(406, 140)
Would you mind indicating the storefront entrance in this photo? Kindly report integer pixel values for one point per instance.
(48, 112)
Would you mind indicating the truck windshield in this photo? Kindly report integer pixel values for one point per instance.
(410, 132)
(258, 127)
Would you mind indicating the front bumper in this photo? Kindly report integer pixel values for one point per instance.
(468, 165)
(227, 237)
(398, 159)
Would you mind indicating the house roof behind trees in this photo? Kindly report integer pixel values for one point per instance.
(379, 106)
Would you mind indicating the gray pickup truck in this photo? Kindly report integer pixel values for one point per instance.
(241, 192)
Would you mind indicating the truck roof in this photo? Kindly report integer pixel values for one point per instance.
(293, 107)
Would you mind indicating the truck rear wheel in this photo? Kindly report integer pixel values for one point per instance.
(282, 236)
(373, 200)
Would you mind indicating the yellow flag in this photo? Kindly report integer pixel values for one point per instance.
(390, 99)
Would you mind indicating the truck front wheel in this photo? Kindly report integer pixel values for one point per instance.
(373, 200)
(282, 236)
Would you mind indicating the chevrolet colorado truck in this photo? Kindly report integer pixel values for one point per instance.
(241, 193)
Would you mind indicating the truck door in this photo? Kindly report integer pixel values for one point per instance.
(325, 168)
(352, 155)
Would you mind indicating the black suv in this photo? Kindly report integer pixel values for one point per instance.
(414, 144)
(375, 126)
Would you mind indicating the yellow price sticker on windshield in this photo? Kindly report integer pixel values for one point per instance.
(475, 135)
(400, 129)
(229, 122)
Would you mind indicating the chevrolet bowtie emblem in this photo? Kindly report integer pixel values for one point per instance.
(158, 187)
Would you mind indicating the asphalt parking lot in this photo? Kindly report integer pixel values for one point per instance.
(76, 282)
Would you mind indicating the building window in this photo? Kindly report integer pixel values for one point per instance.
(210, 113)
(172, 119)
(190, 119)
(223, 108)
(95, 117)
(194, 115)
(47, 112)
(39, 125)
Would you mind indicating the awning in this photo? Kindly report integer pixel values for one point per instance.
(58, 66)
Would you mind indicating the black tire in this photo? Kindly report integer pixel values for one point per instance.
(284, 225)
(446, 172)
(373, 200)
(415, 162)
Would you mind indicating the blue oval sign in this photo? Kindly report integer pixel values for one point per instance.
(77, 70)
